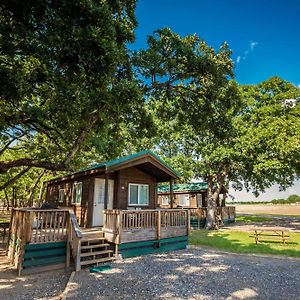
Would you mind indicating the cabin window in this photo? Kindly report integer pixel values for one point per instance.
(138, 194)
(77, 193)
(184, 200)
(165, 200)
(61, 195)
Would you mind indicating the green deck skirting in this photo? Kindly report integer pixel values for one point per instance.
(151, 247)
(44, 254)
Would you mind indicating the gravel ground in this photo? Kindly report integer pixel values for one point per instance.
(36, 286)
(192, 274)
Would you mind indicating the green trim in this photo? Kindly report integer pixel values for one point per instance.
(45, 245)
(120, 161)
(184, 187)
(44, 261)
(45, 253)
(151, 247)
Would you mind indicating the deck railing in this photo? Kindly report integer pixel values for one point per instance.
(122, 226)
(35, 226)
(225, 213)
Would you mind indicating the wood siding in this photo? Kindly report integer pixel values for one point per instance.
(133, 175)
(82, 210)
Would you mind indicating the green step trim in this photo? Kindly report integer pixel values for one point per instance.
(45, 245)
(44, 261)
(151, 242)
(154, 246)
(45, 253)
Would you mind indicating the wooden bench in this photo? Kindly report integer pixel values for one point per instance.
(270, 235)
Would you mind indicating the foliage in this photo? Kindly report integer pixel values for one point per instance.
(209, 127)
(241, 242)
(66, 81)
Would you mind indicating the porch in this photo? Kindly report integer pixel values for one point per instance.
(46, 239)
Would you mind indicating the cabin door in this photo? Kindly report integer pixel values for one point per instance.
(99, 192)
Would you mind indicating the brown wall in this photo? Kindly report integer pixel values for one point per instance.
(133, 175)
(84, 211)
(193, 199)
(81, 210)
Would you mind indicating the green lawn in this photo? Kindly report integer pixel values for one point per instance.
(252, 219)
(240, 242)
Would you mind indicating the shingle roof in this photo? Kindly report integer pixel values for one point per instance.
(183, 187)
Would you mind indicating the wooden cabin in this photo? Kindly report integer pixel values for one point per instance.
(128, 183)
(193, 196)
(101, 211)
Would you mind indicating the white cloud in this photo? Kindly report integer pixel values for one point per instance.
(253, 45)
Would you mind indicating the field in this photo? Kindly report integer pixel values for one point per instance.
(275, 209)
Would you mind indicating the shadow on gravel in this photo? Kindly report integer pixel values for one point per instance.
(191, 274)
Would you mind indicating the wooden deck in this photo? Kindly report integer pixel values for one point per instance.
(124, 226)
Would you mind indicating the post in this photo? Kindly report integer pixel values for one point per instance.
(171, 193)
(68, 254)
(158, 224)
(106, 191)
(189, 222)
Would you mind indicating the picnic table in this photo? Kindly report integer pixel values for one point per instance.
(270, 235)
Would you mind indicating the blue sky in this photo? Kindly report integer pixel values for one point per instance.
(263, 35)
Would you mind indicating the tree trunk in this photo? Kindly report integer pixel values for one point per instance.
(211, 218)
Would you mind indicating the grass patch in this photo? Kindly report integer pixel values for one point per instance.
(252, 219)
(240, 242)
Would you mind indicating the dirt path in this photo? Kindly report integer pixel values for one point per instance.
(282, 222)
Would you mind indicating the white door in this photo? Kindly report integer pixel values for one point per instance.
(99, 193)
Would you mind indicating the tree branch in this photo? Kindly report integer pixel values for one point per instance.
(6, 165)
(14, 179)
(80, 139)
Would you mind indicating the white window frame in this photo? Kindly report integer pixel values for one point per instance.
(138, 185)
(61, 195)
(75, 184)
(165, 200)
(186, 200)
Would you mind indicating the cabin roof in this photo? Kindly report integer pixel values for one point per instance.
(184, 187)
(145, 160)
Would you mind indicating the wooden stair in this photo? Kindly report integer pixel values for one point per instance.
(94, 248)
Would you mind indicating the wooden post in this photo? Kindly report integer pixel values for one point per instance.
(68, 254)
(158, 224)
(171, 193)
(106, 191)
(78, 251)
(188, 222)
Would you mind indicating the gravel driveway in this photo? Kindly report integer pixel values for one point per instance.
(192, 274)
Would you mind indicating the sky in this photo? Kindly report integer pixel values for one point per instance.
(264, 36)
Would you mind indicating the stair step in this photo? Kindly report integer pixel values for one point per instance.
(93, 239)
(98, 260)
(85, 254)
(94, 246)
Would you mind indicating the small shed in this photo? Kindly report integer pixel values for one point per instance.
(127, 183)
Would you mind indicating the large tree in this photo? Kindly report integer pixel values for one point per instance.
(66, 81)
(208, 127)
(193, 98)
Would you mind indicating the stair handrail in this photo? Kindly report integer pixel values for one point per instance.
(74, 240)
